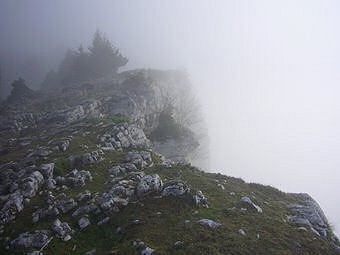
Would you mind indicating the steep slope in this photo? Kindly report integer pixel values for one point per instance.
(80, 175)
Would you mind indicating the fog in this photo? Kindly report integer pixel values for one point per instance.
(266, 73)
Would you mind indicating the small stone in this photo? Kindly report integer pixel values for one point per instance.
(136, 222)
(91, 252)
(83, 222)
(103, 221)
(179, 243)
(241, 232)
(147, 251)
(209, 223)
(247, 201)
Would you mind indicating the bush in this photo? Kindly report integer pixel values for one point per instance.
(167, 128)
(100, 60)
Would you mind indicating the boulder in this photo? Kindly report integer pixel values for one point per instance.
(37, 239)
(86, 158)
(200, 200)
(47, 170)
(45, 213)
(149, 184)
(66, 205)
(140, 159)
(209, 223)
(86, 209)
(62, 230)
(124, 135)
(75, 178)
(84, 222)
(84, 196)
(50, 184)
(147, 251)
(116, 170)
(175, 189)
(62, 144)
(241, 232)
(31, 184)
(308, 213)
(247, 201)
(12, 206)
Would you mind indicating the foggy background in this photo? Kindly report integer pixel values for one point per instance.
(266, 72)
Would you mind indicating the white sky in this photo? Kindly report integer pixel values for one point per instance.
(267, 73)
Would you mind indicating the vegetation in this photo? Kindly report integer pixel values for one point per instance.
(167, 127)
(101, 59)
(165, 221)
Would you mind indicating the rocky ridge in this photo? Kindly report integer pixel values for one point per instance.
(88, 179)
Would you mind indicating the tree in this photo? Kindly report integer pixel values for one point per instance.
(105, 58)
(101, 59)
(20, 91)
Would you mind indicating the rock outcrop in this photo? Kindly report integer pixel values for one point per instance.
(308, 213)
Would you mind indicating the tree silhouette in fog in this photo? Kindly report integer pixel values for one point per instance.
(101, 59)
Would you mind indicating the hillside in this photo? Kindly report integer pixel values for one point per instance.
(105, 168)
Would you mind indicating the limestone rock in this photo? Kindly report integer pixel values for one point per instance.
(247, 201)
(62, 229)
(147, 251)
(208, 223)
(200, 200)
(47, 170)
(308, 213)
(37, 239)
(175, 188)
(149, 184)
(83, 222)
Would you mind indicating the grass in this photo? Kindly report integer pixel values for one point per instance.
(161, 231)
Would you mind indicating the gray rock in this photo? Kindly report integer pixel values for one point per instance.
(12, 206)
(91, 252)
(140, 159)
(31, 184)
(75, 178)
(50, 184)
(149, 184)
(36, 239)
(47, 170)
(86, 159)
(66, 205)
(179, 243)
(200, 200)
(84, 196)
(124, 135)
(247, 201)
(40, 152)
(44, 213)
(35, 253)
(62, 230)
(86, 209)
(115, 170)
(175, 189)
(147, 251)
(308, 213)
(241, 232)
(208, 223)
(84, 222)
(61, 145)
(103, 221)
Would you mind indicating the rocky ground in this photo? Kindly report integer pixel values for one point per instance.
(92, 182)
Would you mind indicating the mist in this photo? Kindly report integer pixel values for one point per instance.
(266, 74)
